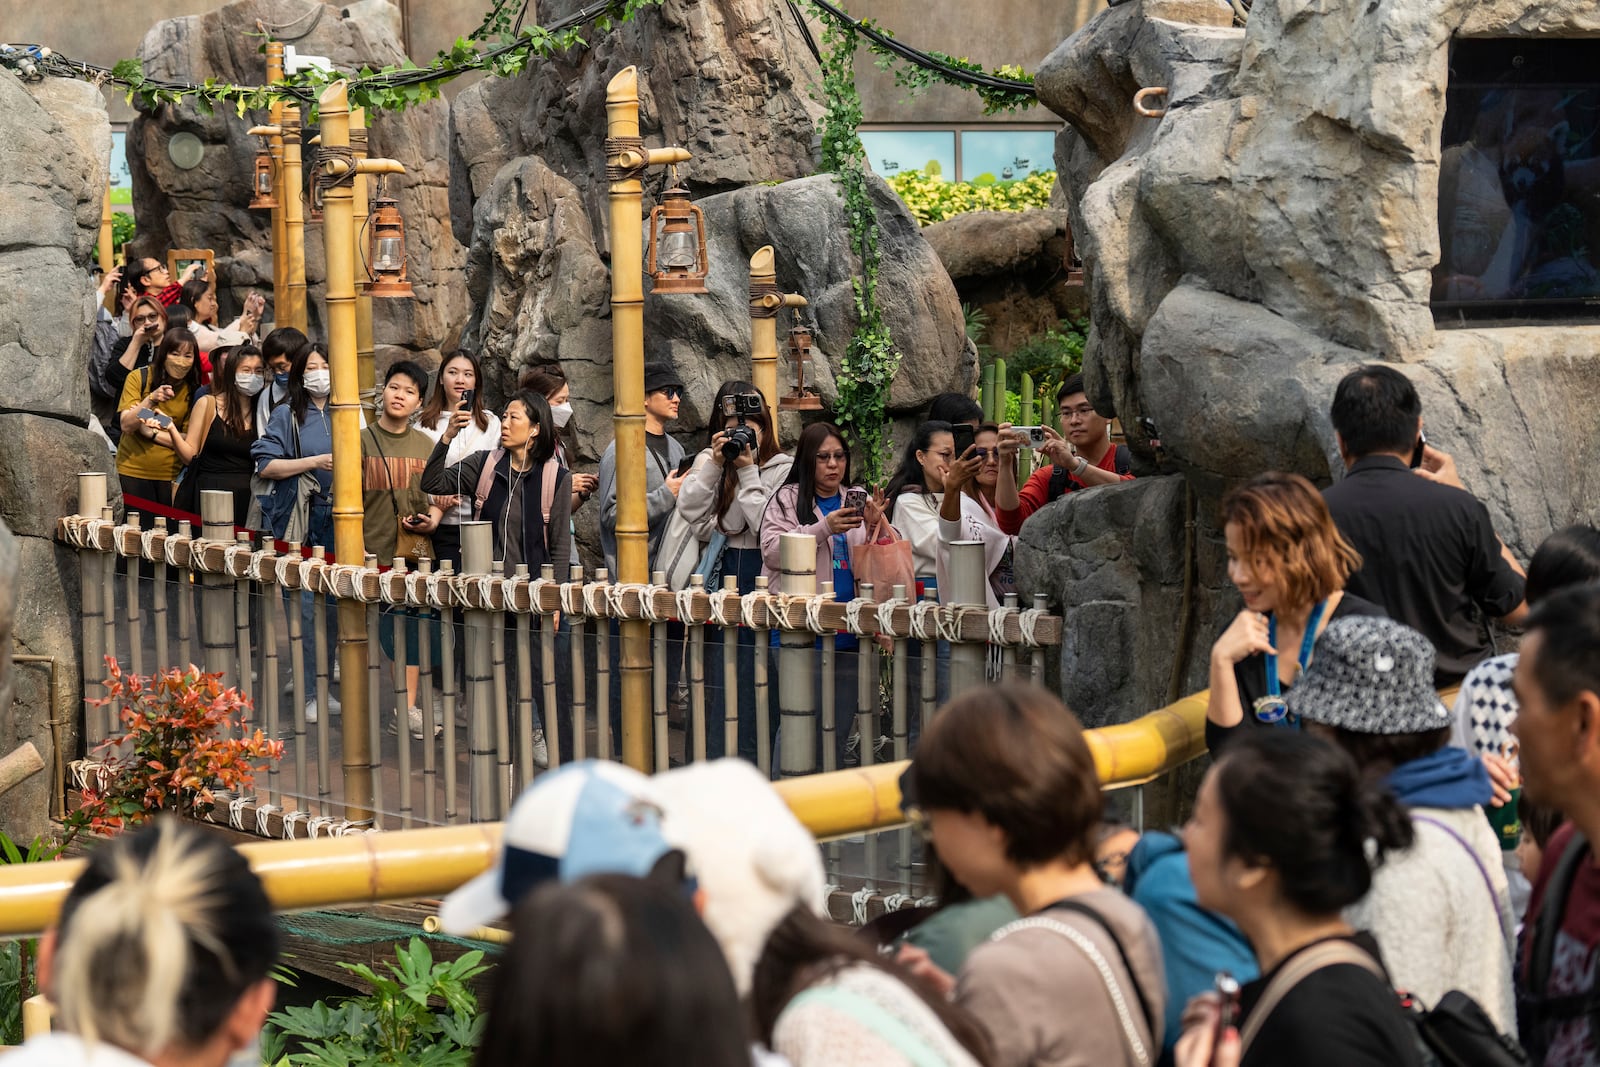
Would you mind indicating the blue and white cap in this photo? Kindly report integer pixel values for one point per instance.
(585, 818)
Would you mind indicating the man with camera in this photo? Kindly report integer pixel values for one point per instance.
(1084, 458)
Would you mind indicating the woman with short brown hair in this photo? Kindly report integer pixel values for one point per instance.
(1290, 563)
(1006, 789)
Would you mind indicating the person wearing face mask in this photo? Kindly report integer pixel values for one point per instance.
(459, 375)
(157, 396)
(277, 353)
(551, 383)
(216, 446)
(299, 441)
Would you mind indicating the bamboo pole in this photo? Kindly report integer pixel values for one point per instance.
(268, 708)
(697, 680)
(365, 355)
(658, 687)
(294, 224)
(280, 187)
(402, 701)
(130, 611)
(765, 303)
(105, 253)
(477, 556)
(602, 691)
(626, 158)
(580, 683)
(763, 691)
(525, 703)
(730, 676)
(797, 709)
(547, 698)
(967, 589)
(18, 765)
(91, 501)
(504, 709)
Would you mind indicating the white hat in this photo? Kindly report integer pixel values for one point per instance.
(584, 818)
(749, 855)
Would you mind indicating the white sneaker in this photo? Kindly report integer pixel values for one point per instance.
(311, 711)
(414, 717)
(541, 751)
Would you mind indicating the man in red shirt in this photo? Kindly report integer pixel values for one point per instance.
(1557, 683)
(1083, 459)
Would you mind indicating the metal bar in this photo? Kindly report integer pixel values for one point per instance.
(730, 676)
(447, 648)
(374, 689)
(580, 684)
(968, 582)
(425, 669)
(930, 676)
(658, 685)
(297, 668)
(270, 689)
(92, 563)
(867, 726)
(547, 664)
(476, 558)
(216, 590)
(130, 610)
(319, 640)
(502, 709)
(602, 689)
(402, 700)
(1008, 654)
(241, 628)
(902, 740)
(111, 715)
(524, 624)
(797, 709)
(158, 605)
(763, 691)
(697, 677)
(185, 606)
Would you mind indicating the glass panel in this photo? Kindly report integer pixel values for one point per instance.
(677, 251)
(892, 151)
(121, 177)
(1006, 154)
(389, 252)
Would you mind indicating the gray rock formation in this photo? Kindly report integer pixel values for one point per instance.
(1013, 266)
(55, 149)
(1275, 228)
(206, 207)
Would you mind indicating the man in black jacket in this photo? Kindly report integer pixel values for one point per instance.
(1429, 553)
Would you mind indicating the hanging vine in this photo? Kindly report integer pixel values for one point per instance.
(870, 359)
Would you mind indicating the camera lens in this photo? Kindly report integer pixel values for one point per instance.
(739, 438)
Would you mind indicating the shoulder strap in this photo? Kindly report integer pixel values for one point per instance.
(1551, 912)
(1301, 967)
(1488, 883)
(388, 475)
(1127, 964)
(552, 471)
(869, 1014)
(480, 493)
(1124, 460)
(1058, 481)
(1092, 953)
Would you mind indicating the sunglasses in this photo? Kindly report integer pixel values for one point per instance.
(832, 457)
(671, 392)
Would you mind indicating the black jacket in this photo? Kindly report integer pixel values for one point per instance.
(539, 545)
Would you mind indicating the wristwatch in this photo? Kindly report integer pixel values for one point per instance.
(1083, 465)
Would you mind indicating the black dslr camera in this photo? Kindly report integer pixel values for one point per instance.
(742, 436)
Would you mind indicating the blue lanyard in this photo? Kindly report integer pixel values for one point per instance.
(1274, 688)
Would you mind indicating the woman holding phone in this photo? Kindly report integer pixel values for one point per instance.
(155, 398)
(457, 389)
(216, 446)
(966, 512)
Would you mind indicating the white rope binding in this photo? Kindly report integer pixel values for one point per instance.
(264, 819)
(236, 811)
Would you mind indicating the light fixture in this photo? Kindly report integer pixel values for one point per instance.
(263, 200)
(386, 252)
(801, 398)
(676, 260)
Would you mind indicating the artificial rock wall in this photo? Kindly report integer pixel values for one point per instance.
(1277, 227)
(55, 151)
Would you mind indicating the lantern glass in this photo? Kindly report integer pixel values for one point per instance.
(677, 249)
(263, 182)
(389, 253)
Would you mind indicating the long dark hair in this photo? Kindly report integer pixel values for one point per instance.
(547, 381)
(192, 291)
(911, 478)
(438, 399)
(299, 399)
(239, 416)
(728, 487)
(1301, 806)
(803, 951)
(612, 970)
(158, 366)
(803, 472)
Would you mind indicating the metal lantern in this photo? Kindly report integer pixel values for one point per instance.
(676, 261)
(315, 214)
(386, 251)
(263, 200)
(801, 398)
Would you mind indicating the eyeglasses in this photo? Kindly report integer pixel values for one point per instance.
(1082, 411)
(832, 457)
(147, 320)
(671, 392)
(986, 454)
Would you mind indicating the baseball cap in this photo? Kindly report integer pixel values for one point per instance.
(584, 818)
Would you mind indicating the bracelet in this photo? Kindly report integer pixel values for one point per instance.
(1083, 465)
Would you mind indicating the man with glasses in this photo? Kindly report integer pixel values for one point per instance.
(1084, 458)
(663, 456)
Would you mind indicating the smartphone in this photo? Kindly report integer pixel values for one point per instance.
(964, 435)
(417, 518)
(683, 468)
(467, 397)
(1416, 453)
(855, 499)
(1034, 435)
(162, 420)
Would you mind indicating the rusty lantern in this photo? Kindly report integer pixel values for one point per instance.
(315, 200)
(800, 398)
(386, 251)
(263, 200)
(676, 261)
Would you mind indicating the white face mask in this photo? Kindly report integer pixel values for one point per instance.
(249, 384)
(319, 383)
(562, 414)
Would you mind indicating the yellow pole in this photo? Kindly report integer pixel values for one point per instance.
(280, 232)
(106, 252)
(294, 225)
(365, 358)
(765, 302)
(338, 241)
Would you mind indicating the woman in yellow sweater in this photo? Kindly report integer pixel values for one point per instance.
(153, 398)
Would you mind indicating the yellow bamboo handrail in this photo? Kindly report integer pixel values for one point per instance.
(418, 864)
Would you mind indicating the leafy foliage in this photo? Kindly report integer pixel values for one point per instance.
(395, 1024)
(932, 199)
(177, 752)
(916, 77)
(870, 359)
(122, 228)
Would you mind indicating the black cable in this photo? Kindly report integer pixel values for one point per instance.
(805, 31)
(923, 59)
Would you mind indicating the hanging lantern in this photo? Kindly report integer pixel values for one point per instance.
(676, 261)
(315, 214)
(801, 398)
(263, 200)
(386, 251)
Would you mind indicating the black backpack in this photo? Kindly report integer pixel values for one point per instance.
(1060, 476)
(1537, 1010)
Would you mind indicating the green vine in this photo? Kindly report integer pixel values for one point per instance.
(870, 359)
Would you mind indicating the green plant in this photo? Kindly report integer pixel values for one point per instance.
(122, 228)
(177, 751)
(395, 1024)
(931, 199)
(976, 323)
(870, 359)
(17, 957)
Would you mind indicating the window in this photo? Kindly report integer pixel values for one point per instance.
(1007, 153)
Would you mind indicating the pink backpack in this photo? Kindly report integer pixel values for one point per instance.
(552, 470)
